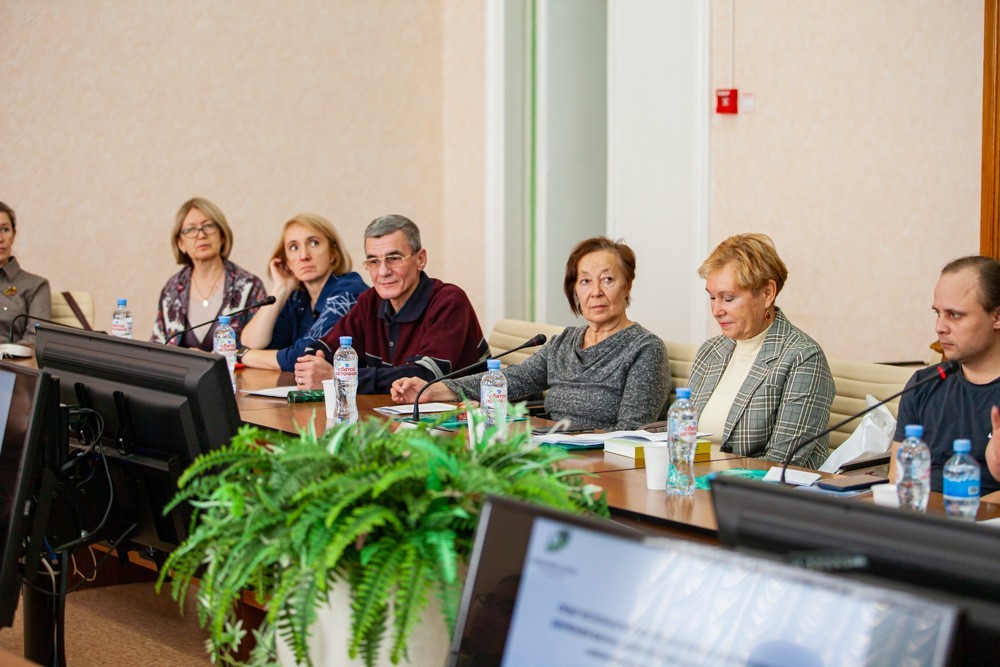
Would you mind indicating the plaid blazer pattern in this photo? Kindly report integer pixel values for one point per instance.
(785, 398)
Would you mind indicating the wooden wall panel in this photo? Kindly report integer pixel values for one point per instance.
(989, 223)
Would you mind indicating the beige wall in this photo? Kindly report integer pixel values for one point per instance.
(461, 251)
(861, 159)
(116, 113)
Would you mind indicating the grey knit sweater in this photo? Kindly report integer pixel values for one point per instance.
(620, 383)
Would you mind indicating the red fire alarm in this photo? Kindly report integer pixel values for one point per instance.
(727, 100)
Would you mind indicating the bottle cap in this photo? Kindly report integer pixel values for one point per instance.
(962, 446)
(122, 302)
(345, 341)
(683, 392)
(492, 364)
(223, 319)
(914, 431)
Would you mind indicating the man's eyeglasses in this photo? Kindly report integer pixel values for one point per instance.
(210, 229)
(391, 261)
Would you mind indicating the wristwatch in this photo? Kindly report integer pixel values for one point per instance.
(240, 352)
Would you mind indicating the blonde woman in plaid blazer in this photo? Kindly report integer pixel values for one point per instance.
(763, 385)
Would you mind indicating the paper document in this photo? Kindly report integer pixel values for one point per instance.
(273, 392)
(601, 438)
(588, 438)
(425, 409)
(796, 477)
(16, 351)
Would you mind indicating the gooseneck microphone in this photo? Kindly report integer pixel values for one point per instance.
(265, 302)
(537, 339)
(943, 370)
(26, 316)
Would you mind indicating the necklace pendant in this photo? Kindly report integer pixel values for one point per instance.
(204, 303)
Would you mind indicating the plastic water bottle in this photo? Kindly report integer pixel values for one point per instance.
(345, 372)
(682, 424)
(493, 397)
(913, 461)
(121, 320)
(961, 483)
(224, 343)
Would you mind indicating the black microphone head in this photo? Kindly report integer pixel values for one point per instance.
(268, 301)
(948, 368)
(539, 339)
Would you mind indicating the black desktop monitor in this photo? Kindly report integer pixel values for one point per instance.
(25, 395)
(161, 406)
(546, 588)
(947, 559)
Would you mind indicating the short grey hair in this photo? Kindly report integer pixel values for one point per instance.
(388, 224)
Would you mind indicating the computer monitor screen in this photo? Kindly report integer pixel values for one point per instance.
(24, 395)
(946, 559)
(585, 593)
(161, 406)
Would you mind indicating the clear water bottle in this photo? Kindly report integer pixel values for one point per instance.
(913, 463)
(682, 424)
(345, 372)
(224, 343)
(961, 483)
(121, 320)
(493, 397)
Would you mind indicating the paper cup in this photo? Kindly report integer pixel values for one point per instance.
(885, 494)
(657, 465)
(330, 397)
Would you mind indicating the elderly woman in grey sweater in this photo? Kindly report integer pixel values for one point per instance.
(610, 374)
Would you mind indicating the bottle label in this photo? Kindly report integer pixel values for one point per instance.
(494, 397)
(226, 346)
(965, 488)
(121, 327)
(345, 370)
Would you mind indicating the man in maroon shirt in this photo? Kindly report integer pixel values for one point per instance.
(407, 324)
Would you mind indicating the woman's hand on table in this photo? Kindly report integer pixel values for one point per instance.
(405, 390)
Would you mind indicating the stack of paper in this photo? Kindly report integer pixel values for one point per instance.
(425, 409)
(596, 440)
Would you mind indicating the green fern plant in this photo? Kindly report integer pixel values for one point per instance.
(389, 512)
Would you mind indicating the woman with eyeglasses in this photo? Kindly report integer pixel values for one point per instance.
(23, 293)
(312, 282)
(209, 285)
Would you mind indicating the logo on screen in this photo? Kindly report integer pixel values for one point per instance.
(558, 541)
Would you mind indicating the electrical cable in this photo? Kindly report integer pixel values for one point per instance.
(76, 570)
(93, 572)
(85, 535)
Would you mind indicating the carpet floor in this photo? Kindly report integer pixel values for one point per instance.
(127, 624)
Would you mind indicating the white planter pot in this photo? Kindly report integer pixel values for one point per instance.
(428, 645)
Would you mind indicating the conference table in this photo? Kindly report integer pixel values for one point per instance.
(622, 478)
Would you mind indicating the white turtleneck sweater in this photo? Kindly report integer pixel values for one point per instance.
(713, 417)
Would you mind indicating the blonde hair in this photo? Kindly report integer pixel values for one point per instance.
(754, 260)
(214, 214)
(341, 261)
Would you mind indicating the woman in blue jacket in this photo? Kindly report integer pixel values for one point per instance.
(312, 282)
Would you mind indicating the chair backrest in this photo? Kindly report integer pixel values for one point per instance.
(507, 334)
(63, 314)
(856, 379)
(681, 357)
